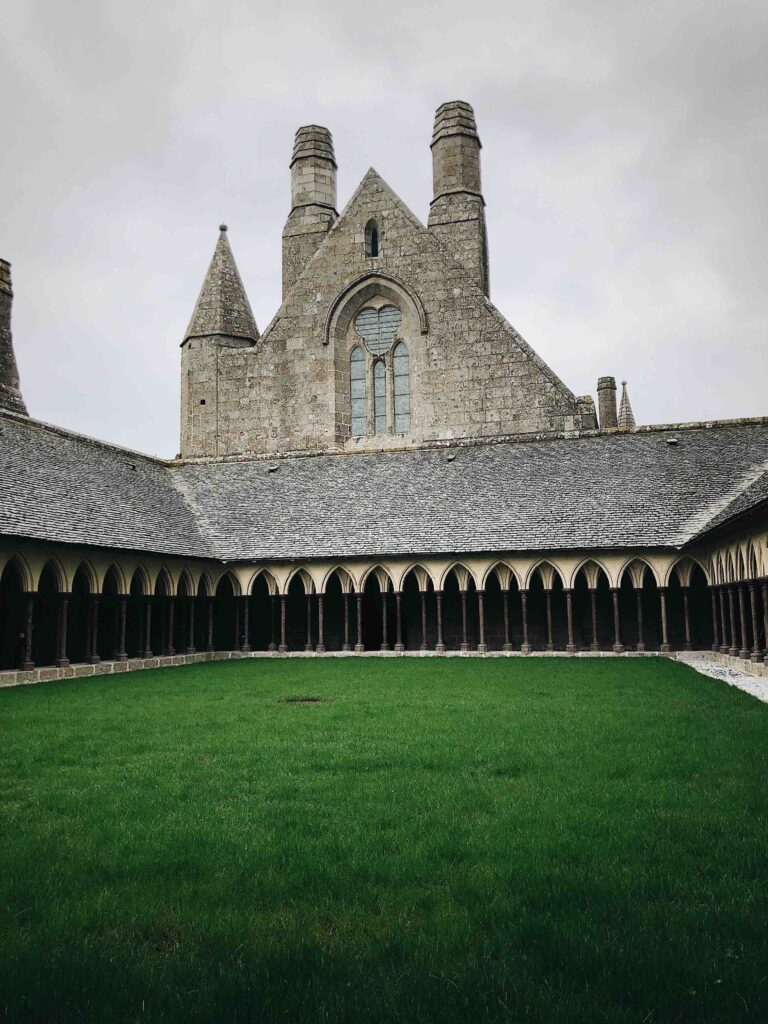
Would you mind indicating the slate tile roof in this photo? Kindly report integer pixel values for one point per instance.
(59, 486)
(621, 490)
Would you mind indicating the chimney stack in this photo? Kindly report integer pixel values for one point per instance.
(10, 394)
(457, 211)
(313, 200)
(606, 400)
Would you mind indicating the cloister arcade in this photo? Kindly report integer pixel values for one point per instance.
(60, 606)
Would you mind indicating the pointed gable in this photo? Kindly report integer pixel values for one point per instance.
(222, 307)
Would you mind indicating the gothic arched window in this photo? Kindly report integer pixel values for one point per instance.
(402, 388)
(357, 391)
(380, 397)
(371, 239)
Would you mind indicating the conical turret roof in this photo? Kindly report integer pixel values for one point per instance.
(222, 306)
(626, 416)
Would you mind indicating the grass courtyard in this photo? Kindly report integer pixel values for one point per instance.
(432, 840)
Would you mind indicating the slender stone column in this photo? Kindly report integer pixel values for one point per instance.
(464, 635)
(88, 629)
(384, 602)
(238, 635)
(122, 614)
(715, 623)
(733, 650)
(755, 656)
(27, 663)
(61, 632)
(147, 652)
(93, 653)
(686, 619)
(191, 625)
(482, 647)
(440, 645)
(505, 600)
(526, 647)
(282, 646)
(170, 650)
(399, 646)
(423, 597)
(744, 651)
(359, 645)
(246, 648)
(548, 596)
(595, 645)
(618, 646)
(320, 626)
(209, 644)
(272, 646)
(640, 629)
(571, 648)
(764, 589)
(665, 648)
(346, 645)
(308, 646)
(724, 620)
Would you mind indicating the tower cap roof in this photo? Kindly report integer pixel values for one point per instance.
(454, 118)
(222, 306)
(312, 140)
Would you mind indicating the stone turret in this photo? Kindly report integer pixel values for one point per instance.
(313, 200)
(606, 400)
(222, 319)
(626, 416)
(10, 394)
(457, 211)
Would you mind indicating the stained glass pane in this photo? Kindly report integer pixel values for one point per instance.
(380, 397)
(402, 384)
(378, 327)
(357, 391)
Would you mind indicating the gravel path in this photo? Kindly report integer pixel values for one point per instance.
(755, 685)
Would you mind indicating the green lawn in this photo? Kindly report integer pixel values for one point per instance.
(436, 840)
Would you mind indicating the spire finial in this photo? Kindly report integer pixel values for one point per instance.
(222, 227)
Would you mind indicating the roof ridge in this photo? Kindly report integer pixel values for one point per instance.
(8, 414)
(698, 523)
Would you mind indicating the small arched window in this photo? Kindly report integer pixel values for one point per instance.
(380, 396)
(357, 391)
(371, 239)
(402, 387)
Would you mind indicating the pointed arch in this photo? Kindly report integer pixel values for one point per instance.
(383, 577)
(87, 574)
(263, 574)
(139, 585)
(592, 569)
(113, 575)
(504, 573)
(231, 577)
(344, 577)
(163, 584)
(365, 287)
(682, 568)
(204, 585)
(303, 574)
(421, 574)
(462, 574)
(547, 572)
(53, 565)
(184, 586)
(372, 239)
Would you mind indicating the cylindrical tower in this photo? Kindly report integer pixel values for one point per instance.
(457, 211)
(313, 199)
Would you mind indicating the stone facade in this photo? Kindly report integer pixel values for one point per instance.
(471, 373)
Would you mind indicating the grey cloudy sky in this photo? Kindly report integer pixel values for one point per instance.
(624, 162)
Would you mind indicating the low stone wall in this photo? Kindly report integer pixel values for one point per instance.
(49, 673)
(746, 665)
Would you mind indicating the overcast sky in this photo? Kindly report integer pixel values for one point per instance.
(625, 147)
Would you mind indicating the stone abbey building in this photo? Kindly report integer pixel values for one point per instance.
(387, 467)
